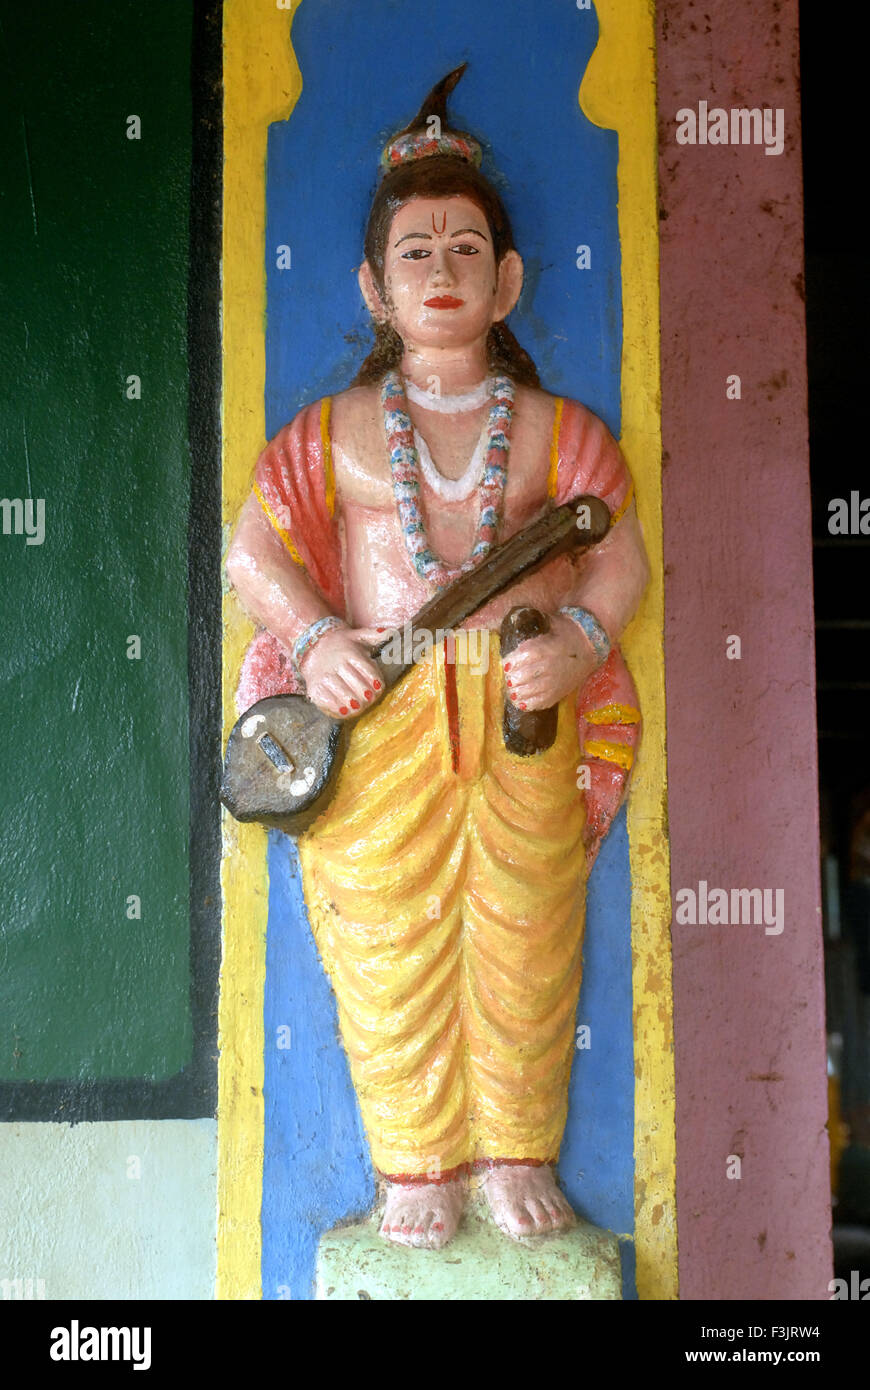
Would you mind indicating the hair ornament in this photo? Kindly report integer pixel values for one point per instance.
(429, 134)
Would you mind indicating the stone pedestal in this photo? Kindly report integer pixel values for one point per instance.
(355, 1262)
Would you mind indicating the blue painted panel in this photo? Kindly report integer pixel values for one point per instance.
(596, 1162)
(316, 1170)
(365, 70)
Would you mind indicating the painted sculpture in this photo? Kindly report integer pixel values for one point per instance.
(445, 881)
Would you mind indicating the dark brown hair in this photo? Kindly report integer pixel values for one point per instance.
(438, 176)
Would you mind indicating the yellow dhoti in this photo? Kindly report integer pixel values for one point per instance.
(446, 886)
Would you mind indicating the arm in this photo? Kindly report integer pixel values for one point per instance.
(542, 671)
(275, 590)
(338, 675)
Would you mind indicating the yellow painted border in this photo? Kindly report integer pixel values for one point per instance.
(262, 83)
(618, 92)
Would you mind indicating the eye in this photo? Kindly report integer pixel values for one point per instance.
(464, 248)
(415, 254)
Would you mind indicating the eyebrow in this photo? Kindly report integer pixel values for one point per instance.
(463, 231)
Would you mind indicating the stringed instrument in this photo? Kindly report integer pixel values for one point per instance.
(284, 754)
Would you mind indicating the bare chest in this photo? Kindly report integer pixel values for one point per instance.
(381, 583)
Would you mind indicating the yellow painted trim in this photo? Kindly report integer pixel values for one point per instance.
(620, 753)
(328, 472)
(552, 477)
(261, 84)
(618, 93)
(285, 535)
(612, 714)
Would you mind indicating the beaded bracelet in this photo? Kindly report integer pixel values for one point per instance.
(593, 629)
(312, 635)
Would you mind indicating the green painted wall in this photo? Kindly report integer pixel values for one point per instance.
(94, 761)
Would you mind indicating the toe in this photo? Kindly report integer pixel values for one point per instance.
(558, 1217)
(568, 1216)
(564, 1212)
(518, 1219)
(541, 1219)
(398, 1227)
(443, 1226)
(390, 1230)
(438, 1235)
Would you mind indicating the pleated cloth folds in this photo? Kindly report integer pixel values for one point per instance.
(446, 886)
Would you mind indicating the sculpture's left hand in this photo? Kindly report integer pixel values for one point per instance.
(542, 671)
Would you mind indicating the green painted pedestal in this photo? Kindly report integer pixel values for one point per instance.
(355, 1262)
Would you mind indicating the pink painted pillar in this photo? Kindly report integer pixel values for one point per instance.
(748, 1006)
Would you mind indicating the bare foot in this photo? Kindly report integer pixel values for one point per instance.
(425, 1215)
(525, 1200)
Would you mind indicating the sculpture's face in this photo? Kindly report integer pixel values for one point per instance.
(443, 287)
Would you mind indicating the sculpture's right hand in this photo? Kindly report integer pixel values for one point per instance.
(340, 676)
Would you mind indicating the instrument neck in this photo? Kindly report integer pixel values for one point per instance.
(554, 533)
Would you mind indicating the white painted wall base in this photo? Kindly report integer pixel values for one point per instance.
(121, 1209)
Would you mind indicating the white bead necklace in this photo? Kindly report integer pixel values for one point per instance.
(453, 489)
(405, 468)
(450, 405)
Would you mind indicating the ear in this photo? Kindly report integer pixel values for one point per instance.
(370, 293)
(508, 284)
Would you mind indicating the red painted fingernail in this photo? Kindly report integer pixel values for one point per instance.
(507, 666)
(522, 706)
(377, 685)
(368, 694)
(380, 629)
(343, 709)
(354, 704)
(509, 684)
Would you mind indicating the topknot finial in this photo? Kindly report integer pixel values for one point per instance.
(428, 134)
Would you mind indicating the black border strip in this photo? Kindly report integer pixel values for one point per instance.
(192, 1093)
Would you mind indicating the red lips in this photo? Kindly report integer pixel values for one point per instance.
(443, 301)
